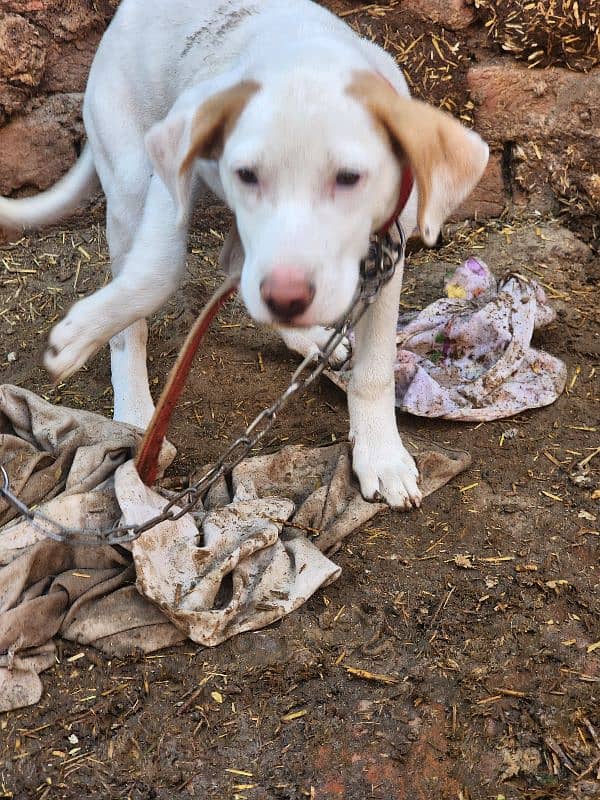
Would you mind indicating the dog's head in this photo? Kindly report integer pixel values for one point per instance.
(311, 168)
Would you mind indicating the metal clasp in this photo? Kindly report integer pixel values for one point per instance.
(379, 265)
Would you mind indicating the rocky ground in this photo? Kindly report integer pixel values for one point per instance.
(475, 619)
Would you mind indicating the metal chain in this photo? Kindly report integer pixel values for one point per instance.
(376, 269)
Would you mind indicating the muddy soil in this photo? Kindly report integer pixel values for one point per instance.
(481, 610)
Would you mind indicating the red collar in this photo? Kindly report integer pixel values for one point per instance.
(406, 187)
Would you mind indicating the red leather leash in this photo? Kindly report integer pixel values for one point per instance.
(146, 461)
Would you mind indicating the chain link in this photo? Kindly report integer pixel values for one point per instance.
(377, 268)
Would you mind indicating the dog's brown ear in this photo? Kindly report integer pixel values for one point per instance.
(447, 159)
(215, 119)
(198, 132)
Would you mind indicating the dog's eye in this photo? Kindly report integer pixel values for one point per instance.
(247, 176)
(347, 177)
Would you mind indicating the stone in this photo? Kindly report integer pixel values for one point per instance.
(543, 125)
(548, 123)
(22, 6)
(12, 99)
(352, 768)
(22, 51)
(489, 198)
(514, 102)
(38, 148)
(63, 19)
(68, 64)
(453, 14)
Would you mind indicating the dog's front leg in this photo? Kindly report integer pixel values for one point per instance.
(149, 274)
(382, 464)
(129, 372)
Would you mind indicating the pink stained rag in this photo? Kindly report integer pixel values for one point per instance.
(468, 356)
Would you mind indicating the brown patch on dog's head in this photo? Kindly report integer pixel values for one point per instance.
(194, 132)
(447, 159)
(214, 121)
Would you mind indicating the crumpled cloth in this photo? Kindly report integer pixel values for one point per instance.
(249, 557)
(468, 356)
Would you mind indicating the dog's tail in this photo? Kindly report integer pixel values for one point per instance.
(55, 203)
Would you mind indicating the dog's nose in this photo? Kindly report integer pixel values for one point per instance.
(287, 292)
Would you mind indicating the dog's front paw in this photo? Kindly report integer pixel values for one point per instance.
(311, 341)
(71, 343)
(387, 471)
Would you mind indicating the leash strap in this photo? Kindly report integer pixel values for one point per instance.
(146, 461)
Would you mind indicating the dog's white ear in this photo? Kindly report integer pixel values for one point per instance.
(447, 159)
(199, 132)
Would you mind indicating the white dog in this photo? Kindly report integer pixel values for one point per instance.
(303, 129)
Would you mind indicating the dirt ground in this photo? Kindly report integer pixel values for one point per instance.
(481, 610)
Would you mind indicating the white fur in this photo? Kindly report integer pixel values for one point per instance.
(156, 65)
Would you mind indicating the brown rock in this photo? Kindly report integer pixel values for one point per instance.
(351, 769)
(12, 98)
(515, 102)
(428, 769)
(64, 19)
(453, 14)
(36, 149)
(67, 20)
(22, 52)
(549, 125)
(22, 6)
(489, 197)
(68, 64)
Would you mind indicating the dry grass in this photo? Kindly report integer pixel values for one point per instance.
(546, 33)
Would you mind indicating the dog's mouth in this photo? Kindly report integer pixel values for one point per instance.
(295, 321)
